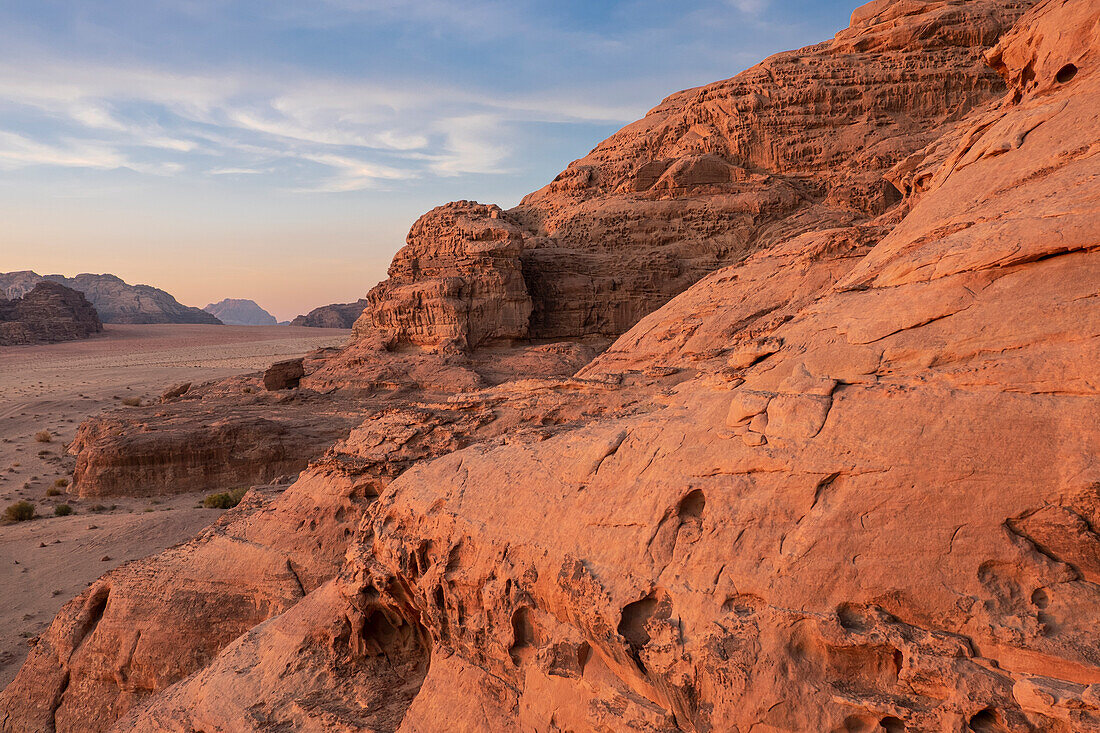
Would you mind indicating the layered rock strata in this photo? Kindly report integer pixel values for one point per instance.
(47, 313)
(115, 300)
(336, 315)
(240, 312)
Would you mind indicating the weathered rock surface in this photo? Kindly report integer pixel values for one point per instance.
(798, 143)
(457, 284)
(47, 313)
(240, 312)
(284, 375)
(211, 437)
(336, 315)
(848, 483)
(114, 300)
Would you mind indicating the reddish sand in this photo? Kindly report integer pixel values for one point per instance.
(53, 388)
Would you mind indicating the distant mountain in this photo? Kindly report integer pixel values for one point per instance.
(241, 312)
(337, 315)
(115, 300)
(47, 313)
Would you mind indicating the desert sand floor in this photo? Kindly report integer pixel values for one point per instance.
(47, 561)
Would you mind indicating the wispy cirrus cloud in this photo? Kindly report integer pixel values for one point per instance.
(420, 89)
(363, 134)
(279, 149)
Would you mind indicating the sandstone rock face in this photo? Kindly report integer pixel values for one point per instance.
(114, 300)
(240, 312)
(458, 283)
(17, 284)
(284, 375)
(848, 483)
(871, 506)
(47, 313)
(798, 143)
(211, 437)
(337, 315)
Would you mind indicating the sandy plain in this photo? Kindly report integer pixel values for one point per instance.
(52, 388)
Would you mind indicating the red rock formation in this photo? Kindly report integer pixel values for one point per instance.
(336, 315)
(211, 437)
(47, 313)
(458, 283)
(797, 143)
(284, 375)
(847, 483)
(114, 300)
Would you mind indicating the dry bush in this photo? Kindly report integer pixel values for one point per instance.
(20, 511)
(132, 401)
(226, 500)
(62, 510)
(43, 436)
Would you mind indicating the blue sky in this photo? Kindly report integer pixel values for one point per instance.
(279, 150)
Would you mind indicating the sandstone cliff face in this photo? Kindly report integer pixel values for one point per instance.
(227, 434)
(47, 313)
(798, 142)
(336, 315)
(240, 312)
(848, 483)
(114, 300)
(457, 284)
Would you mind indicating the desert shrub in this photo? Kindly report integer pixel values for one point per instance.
(225, 500)
(43, 436)
(62, 510)
(131, 401)
(61, 482)
(53, 492)
(20, 511)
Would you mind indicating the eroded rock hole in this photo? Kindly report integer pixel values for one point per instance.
(636, 618)
(93, 613)
(853, 618)
(986, 721)
(890, 724)
(524, 635)
(390, 659)
(378, 634)
(692, 505)
(1065, 73)
(1027, 75)
(584, 653)
(633, 621)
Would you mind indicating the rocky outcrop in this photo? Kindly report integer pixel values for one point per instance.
(284, 375)
(857, 511)
(47, 313)
(114, 300)
(847, 483)
(457, 284)
(336, 315)
(210, 437)
(240, 312)
(797, 143)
